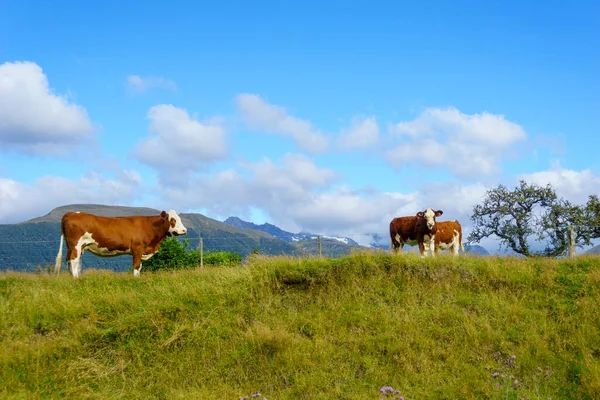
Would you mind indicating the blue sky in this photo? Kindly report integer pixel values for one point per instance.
(331, 117)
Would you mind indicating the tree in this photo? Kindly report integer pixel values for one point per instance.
(556, 222)
(529, 212)
(592, 216)
(171, 255)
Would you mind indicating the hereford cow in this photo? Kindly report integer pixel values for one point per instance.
(113, 236)
(448, 236)
(419, 229)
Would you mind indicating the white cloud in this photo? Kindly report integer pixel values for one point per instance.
(260, 115)
(141, 85)
(179, 144)
(575, 186)
(33, 119)
(361, 134)
(469, 145)
(21, 201)
(298, 195)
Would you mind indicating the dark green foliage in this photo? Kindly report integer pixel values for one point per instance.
(174, 254)
(219, 257)
(592, 215)
(171, 255)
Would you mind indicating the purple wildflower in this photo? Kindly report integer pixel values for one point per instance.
(495, 375)
(255, 395)
(386, 390)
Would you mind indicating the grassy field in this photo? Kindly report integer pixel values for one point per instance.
(289, 328)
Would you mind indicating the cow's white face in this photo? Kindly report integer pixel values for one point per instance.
(175, 225)
(430, 215)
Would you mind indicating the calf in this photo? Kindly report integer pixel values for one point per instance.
(448, 236)
(113, 236)
(419, 229)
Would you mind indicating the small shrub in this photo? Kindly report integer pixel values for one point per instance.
(174, 254)
(218, 257)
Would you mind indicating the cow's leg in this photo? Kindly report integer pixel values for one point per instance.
(74, 261)
(455, 247)
(74, 257)
(431, 246)
(75, 251)
(422, 248)
(137, 262)
(400, 245)
(457, 244)
(395, 244)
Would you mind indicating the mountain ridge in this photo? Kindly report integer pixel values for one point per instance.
(285, 235)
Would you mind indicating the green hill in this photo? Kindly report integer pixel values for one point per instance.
(312, 328)
(32, 244)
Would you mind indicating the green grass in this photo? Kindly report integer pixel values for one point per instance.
(312, 328)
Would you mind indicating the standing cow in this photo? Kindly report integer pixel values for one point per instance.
(449, 236)
(418, 229)
(113, 236)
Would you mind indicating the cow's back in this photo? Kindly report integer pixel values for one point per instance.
(109, 232)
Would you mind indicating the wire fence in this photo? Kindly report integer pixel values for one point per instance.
(19, 254)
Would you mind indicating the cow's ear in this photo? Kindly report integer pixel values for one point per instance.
(438, 213)
(420, 214)
(163, 214)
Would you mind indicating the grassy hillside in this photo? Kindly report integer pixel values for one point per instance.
(444, 328)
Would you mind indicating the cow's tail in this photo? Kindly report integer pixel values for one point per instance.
(461, 242)
(58, 262)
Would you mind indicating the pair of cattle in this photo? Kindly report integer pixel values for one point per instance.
(422, 229)
(139, 236)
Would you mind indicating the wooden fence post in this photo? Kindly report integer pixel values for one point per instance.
(201, 245)
(320, 248)
(572, 246)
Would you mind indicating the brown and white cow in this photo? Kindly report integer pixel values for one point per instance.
(419, 229)
(449, 236)
(139, 236)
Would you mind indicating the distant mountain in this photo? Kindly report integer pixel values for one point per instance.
(379, 241)
(593, 250)
(284, 235)
(476, 249)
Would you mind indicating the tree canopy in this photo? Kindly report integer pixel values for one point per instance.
(531, 212)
